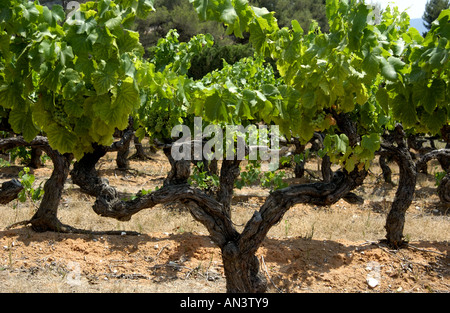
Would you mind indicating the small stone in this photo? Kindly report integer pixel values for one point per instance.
(372, 282)
(123, 233)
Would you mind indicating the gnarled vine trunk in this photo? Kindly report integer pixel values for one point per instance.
(45, 219)
(242, 270)
(238, 249)
(123, 146)
(395, 221)
(299, 167)
(385, 169)
(140, 153)
(124, 150)
(35, 161)
(443, 189)
(241, 265)
(10, 190)
(86, 176)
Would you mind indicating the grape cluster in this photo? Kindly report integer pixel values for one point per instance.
(160, 120)
(59, 115)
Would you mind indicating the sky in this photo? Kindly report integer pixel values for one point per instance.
(414, 8)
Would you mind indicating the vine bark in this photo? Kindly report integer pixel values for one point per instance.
(400, 153)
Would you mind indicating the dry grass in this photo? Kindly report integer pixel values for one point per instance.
(426, 219)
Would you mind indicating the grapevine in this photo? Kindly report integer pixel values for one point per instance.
(78, 81)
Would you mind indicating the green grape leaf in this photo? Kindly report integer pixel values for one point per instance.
(351, 163)
(296, 26)
(85, 65)
(29, 11)
(104, 80)
(113, 22)
(202, 7)
(336, 143)
(434, 121)
(269, 90)
(305, 130)
(348, 103)
(72, 89)
(404, 111)
(213, 106)
(309, 99)
(382, 97)
(257, 34)
(65, 54)
(21, 122)
(388, 70)
(140, 133)
(83, 126)
(129, 41)
(362, 95)
(40, 115)
(9, 96)
(60, 138)
(332, 7)
(51, 77)
(97, 105)
(127, 97)
(438, 56)
(144, 8)
(228, 14)
(73, 108)
(439, 89)
(53, 16)
(371, 64)
(244, 110)
(371, 142)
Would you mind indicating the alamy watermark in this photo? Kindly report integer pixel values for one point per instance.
(74, 12)
(251, 142)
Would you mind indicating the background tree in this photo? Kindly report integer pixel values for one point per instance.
(301, 10)
(179, 15)
(432, 10)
